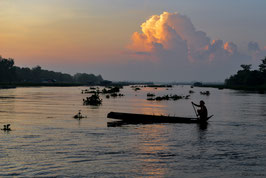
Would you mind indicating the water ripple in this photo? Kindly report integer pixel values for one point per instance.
(47, 142)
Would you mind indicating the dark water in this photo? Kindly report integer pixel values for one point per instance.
(46, 141)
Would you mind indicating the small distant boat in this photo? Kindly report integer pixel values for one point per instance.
(145, 119)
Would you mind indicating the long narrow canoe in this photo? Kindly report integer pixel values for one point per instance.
(143, 118)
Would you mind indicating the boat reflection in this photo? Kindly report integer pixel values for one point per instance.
(201, 126)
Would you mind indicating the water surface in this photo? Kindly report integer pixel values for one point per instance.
(46, 141)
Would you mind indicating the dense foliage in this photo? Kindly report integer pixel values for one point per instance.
(13, 74)
(93, 100)
(7, 70)
(248, 77)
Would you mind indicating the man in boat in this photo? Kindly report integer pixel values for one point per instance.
(202, 112)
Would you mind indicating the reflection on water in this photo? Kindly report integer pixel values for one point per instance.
(47, 141)
(202, 126)
(150, 108)
(151, 149)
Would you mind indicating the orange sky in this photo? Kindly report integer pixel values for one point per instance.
(31, 32)
(80, 36)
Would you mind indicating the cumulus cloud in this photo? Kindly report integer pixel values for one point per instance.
(158, 37)
(256, 51)
(173, 32)
(174, 47)
(253, 46)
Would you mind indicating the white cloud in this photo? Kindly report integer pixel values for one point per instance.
(173, 32)
(172, 43)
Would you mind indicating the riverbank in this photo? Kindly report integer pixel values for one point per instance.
(15, 85)
(260, 89)
(60, 84)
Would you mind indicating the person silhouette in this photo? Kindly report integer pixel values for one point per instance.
(202, 112)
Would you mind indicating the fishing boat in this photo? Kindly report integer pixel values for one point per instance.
(145, 119)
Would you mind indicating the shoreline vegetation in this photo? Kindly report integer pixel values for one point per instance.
(15, 85)
(244, 88)
(245, 79)
(12, 76)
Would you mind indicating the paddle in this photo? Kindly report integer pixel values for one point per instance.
(194, 109)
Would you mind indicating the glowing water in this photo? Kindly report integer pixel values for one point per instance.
(46, 141)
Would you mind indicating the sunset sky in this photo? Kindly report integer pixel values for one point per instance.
(140, 40)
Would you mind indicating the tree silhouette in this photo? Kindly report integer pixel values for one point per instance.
(262, 67)
(246, 67)
(246, 77)
(7, 70)
(10, 74)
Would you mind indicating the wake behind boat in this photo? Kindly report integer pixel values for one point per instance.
(144, 118)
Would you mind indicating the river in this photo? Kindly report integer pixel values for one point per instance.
(47, 141)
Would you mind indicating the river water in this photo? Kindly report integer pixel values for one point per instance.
(47, 141)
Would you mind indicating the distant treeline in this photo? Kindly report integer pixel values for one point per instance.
(249, 78)
(9, 73)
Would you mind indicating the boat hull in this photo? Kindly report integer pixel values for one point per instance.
(143, 118)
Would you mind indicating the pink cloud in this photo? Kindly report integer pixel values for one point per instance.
(174, 33)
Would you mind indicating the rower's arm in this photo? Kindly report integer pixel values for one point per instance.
(195, 104)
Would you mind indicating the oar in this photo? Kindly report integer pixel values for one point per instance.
(194, 109)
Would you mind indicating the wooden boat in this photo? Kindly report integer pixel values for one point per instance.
(143, 118)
